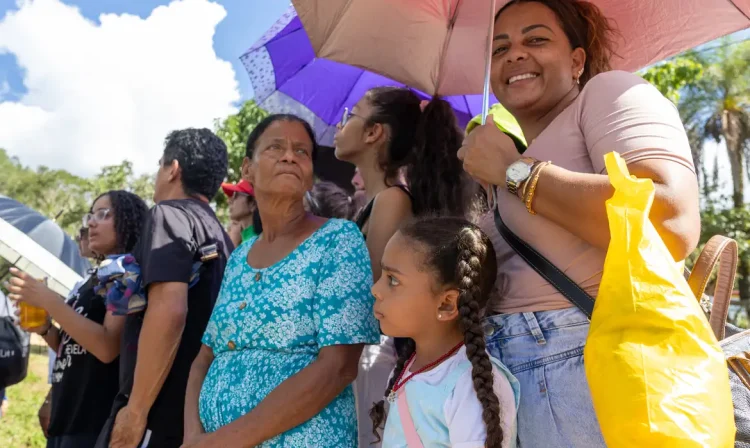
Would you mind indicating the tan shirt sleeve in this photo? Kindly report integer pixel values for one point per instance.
(620, 111)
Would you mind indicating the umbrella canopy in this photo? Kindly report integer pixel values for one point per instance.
(39, 247)
(288, 78)
(439, 46)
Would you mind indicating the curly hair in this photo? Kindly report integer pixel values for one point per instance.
(261, 127)
(129, 213)
(202, 157)
(461, 256)
(586, 27)
(426, 143)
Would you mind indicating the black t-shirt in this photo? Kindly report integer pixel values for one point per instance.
(172, 236)
(83, 387)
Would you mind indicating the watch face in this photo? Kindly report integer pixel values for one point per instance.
(518, 171)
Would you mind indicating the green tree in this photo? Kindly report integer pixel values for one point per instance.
(673, 75)
(56, 194)
(670, 77)
(122, 177)
(712, 92)
(234, 130)
(65, 197)
(717, 106)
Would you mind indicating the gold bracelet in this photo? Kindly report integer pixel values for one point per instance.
(529, 197)
(525, 184)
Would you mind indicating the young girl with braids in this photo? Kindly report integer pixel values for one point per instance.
(446, 391)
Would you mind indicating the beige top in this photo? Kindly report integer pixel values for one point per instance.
(616, 111)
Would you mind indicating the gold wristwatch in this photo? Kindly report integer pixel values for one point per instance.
(517, 173)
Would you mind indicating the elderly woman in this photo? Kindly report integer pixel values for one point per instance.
(295, 310)
(551, 70)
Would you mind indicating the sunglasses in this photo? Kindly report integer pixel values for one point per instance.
(98, 216)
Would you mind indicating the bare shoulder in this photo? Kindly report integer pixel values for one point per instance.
(392, 202)
(393, 196)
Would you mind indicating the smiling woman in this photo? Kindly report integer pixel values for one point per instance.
(551, 70)
(276, 370)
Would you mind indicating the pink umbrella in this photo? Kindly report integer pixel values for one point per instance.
(440, 46)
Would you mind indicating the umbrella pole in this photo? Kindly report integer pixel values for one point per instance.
(491, 200)
(488, 65)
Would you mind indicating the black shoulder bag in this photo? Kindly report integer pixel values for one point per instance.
(546, 269)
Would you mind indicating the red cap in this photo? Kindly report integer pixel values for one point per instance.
(242, 186)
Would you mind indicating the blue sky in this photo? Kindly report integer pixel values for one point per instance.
(245, 22)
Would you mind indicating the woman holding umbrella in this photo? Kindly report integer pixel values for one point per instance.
(551, 70)
(85, 374)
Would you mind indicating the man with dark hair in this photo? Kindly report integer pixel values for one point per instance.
(182, 255)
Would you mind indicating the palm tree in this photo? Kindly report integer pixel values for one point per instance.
(716, 106)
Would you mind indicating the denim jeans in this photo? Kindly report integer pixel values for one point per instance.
(544, 350)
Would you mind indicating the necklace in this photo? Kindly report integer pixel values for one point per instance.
(399, 384)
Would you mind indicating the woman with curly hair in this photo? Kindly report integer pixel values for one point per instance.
(446, 389)
(85, 375)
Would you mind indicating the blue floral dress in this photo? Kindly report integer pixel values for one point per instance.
(268, 324)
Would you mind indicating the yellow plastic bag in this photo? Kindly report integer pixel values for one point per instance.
(656, 373)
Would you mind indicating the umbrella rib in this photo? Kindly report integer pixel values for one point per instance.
(451, 25)
(739, 9)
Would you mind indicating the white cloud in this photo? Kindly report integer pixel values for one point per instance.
(101, 93)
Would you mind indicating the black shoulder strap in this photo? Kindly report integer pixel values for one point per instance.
(405, 189)
(546, 269)
(364, 214)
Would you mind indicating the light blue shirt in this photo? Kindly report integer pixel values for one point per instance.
(446, 411)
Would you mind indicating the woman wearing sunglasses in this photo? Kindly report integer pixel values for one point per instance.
(87, 342)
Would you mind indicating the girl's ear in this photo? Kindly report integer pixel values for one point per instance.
(448, 306)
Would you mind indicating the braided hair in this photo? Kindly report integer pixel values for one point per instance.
(129, 212)
(377, 413)
(461, 256)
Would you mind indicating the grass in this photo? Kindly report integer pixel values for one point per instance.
(19, 428)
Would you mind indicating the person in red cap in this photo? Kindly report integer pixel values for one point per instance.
(241, 210)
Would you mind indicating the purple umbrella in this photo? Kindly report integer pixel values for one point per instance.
(288, 78)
